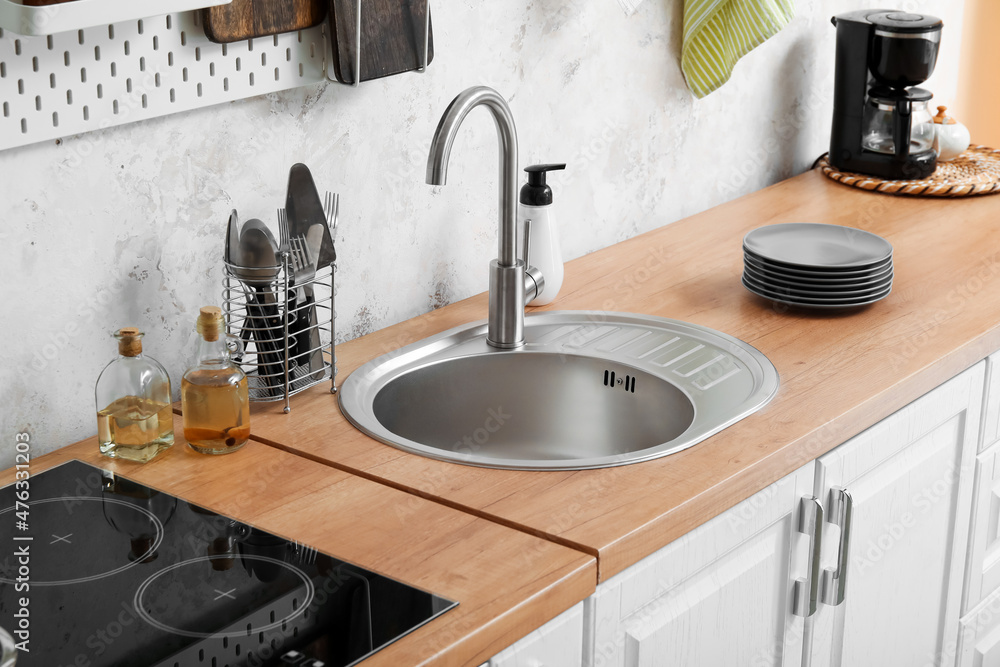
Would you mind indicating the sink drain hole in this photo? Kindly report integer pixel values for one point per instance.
(610, 380)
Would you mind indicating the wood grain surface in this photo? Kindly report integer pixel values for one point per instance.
(507, 582)
(246, 19)
(392, 37)
(840, 372)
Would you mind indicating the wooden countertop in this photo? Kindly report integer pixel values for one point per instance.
(840, 372)
(507, 582)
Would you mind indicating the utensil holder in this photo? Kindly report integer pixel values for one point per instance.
(261, 314)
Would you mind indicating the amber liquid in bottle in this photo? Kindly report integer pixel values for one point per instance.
(216, 410)
(214, 392)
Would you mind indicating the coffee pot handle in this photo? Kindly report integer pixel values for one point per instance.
(902, 121)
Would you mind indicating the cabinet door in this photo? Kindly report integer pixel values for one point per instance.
(979, 635)
(720, 595)
(983, 577)
(910, 477)
(991, 415)
(558, 643)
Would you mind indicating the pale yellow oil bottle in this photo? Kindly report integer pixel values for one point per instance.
(134, 417)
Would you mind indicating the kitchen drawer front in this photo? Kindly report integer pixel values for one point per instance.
(984, 551)
(991, 411)
(978, 643)
(728, 578)
(558, 643)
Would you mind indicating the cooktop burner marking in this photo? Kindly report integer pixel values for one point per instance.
(152, 548)
(310, 593)
(62, 539)
(227, 594)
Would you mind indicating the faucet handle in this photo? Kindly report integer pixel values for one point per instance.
(534, 281)
(527, 241)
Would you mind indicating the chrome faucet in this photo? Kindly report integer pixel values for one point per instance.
(512, 282)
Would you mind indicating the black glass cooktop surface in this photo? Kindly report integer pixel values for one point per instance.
(106, 572)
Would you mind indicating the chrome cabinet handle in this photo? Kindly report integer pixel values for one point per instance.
(806, 590)
(841, 507)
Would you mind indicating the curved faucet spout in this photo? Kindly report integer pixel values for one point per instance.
(507, 272)
(440, 154)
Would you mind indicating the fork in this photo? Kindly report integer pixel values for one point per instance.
(282, 231)
(305, 335)
(331, 209)
(296, 248)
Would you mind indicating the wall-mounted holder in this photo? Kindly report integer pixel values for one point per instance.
(397, 32)
(89, 78)
(99, 77)
(79, 14)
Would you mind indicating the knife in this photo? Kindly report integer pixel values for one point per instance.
(307, 221)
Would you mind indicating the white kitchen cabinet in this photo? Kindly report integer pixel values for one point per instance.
(889, 595)
(983, 576)
(978, 643)
(991, 410)
(558, 643)
(720, 595)
(910, 479)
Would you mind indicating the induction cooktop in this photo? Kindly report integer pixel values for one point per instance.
(99, 571)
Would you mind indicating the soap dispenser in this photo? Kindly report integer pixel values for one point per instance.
(537, 224)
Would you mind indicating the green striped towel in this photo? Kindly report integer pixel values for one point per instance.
(717, 33)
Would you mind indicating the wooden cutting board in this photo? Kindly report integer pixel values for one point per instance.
(246, 19)
(392, 37)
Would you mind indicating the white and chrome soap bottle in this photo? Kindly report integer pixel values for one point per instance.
(534, 209)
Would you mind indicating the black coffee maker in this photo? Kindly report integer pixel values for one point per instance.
(881, 125)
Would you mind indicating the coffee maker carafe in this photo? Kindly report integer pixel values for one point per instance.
(881, 125)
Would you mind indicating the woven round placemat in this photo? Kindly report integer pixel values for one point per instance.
(974, 172)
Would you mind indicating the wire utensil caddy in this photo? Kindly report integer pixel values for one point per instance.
(269, 316)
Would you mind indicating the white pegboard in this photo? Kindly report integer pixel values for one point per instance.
(71, 82)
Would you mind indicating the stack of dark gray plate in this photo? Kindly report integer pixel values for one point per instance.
(817, 266)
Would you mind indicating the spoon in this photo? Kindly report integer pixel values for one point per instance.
(258, 254)
(259, 267)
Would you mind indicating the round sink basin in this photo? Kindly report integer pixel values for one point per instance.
(587, 390)
(533, 407)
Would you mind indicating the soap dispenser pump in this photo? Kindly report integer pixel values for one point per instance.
(537, 225)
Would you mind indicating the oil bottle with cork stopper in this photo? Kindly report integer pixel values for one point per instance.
(215, 402)
(536, 224)
(134, 416)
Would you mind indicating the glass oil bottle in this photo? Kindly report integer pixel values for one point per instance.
(214, 392)
(134, 417)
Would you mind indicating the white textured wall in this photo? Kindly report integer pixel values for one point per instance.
(125, 226)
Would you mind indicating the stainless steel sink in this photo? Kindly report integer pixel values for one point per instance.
(588, 389)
